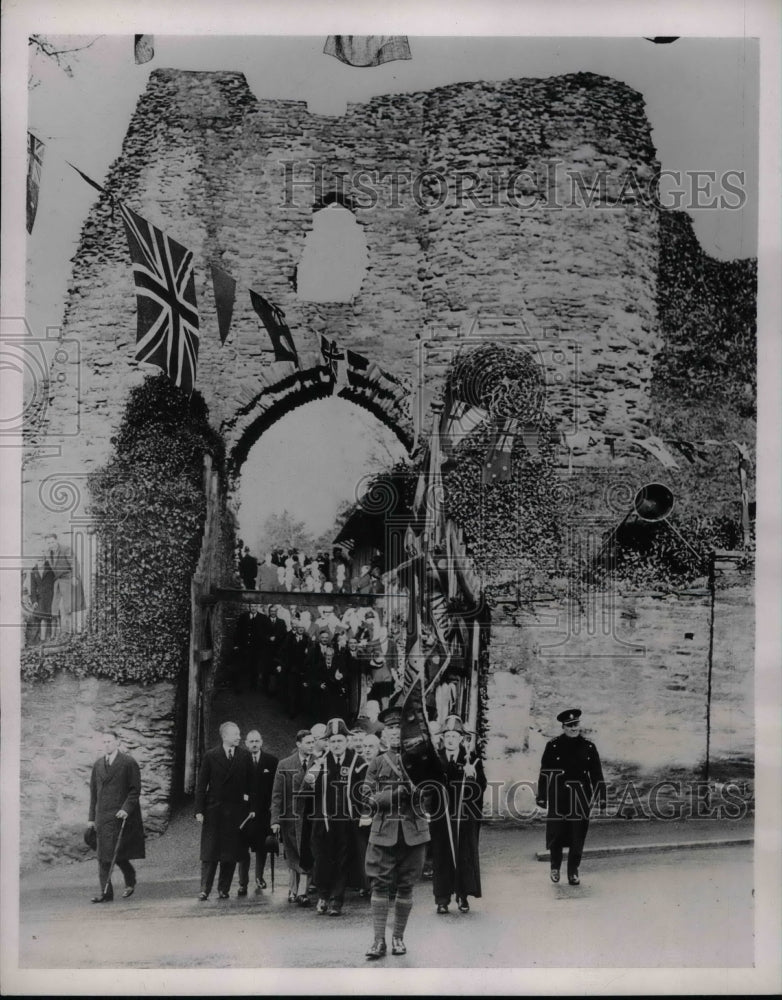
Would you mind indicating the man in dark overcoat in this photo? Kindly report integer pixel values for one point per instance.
(297, 646)
(222, 804)
(115, 787)
(571, 778)
(264, 767)
(248, 642)
(316, 676)
(290, 812)
(248, 569)
(334, 779)
(455, 824)
(274, 633)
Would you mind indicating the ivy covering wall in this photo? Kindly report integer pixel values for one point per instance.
(148, 506)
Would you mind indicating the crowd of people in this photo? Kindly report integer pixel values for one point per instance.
(52, 594)
(346, 816)
(332, 661)
(292, 570)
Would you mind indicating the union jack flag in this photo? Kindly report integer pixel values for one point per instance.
(167, 311)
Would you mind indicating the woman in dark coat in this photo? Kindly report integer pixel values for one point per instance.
(455, 827)
(115, 787)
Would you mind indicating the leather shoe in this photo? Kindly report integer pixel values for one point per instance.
(464, 906)
(554, 875)
(334, 910)
(242, 890)
(377, 949)
(303, 901)
(322, 907)
(223, 895)
(203, 896)
(129, 889)
(398, 946)
(442, 907)
(574, 879)
(260, 883)
(102, 899)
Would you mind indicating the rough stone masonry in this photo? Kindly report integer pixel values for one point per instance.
(470, 213)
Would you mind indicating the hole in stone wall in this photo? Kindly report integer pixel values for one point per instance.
(335, 258)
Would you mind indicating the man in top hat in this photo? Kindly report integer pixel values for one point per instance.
(273, 647)
(296, 650)
(115, 787)
(397, 839)
(456, 822)
(571, 777)
(334, 778)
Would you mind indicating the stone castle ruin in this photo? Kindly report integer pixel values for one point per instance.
(518, 212)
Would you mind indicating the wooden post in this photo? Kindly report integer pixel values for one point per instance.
(191, 737)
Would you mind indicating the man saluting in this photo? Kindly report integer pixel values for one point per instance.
(115, 787)
(570, 778)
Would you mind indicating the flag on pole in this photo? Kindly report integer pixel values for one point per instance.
(166, 301)
(273, 318)
(460, 419)
(332, 356)
(497, 463)
(143, 48)
(225, 296)
(415, 657)
(89, 180)
(367, 50)
(35, 150)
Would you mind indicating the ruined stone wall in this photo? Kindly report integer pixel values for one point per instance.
(236, 179)
(637, 664)
(61, 724)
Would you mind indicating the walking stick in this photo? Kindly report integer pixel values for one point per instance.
(114, 859)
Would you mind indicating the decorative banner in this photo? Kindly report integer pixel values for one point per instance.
(35, 150)
(273, 318)
(143, 48)
(367, 50)
(165, 291)
(225, 296)
(497, 464)
(460, 420)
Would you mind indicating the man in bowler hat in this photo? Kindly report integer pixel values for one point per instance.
(571, 778)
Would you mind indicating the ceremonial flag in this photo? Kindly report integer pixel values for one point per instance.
(497, 464)
(367, 50)
(414, 653)
(332, 356)
(459, 421)
(165, 290)
(35, 150)
(225, 296)
(273, 318)
(143, 48)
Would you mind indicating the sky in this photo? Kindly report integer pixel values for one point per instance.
(701, 100)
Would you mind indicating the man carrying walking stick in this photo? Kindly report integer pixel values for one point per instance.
(115, 814)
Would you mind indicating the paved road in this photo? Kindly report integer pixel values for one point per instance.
(683, 908)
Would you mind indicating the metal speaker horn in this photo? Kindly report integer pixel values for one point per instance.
(653, 502)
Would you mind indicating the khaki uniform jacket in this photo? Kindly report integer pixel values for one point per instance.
(385, 779)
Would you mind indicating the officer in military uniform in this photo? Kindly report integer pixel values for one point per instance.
(571, 778)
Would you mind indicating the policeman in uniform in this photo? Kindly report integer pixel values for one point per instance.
(570, 779)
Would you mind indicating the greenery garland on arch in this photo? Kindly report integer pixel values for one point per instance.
(149, 507)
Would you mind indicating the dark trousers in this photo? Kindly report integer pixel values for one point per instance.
(208, 870)
(294, 694)
(127, 869)
(244, 868)
(567, 833)
(333, 851)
